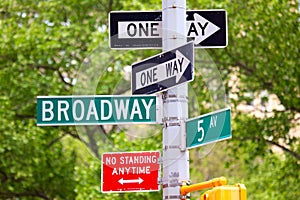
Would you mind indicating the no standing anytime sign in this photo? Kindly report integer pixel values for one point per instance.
(130, 171)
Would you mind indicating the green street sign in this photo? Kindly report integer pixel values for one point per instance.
(93, 110)
(208, 128)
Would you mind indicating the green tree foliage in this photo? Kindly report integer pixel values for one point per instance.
(261, 64)
(57, 47)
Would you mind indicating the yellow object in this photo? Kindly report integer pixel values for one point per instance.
(226, 192)
(185, 189)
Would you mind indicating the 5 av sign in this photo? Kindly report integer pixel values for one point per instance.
(208, 128)
(207, 28)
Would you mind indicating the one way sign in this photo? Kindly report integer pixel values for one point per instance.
(206, 28)
(163, 71)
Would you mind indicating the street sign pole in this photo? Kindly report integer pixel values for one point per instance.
(175, 155)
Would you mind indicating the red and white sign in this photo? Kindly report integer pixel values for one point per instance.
(130, 171)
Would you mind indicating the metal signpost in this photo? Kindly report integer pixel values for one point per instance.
(163, 71)
(208, 128)
(143, 29)
(130, 171)
(98, 109)
(175, 158)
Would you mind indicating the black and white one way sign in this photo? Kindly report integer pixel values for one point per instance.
(163, 71)
(206, 28)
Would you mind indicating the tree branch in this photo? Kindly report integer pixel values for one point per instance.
(23, 194)
(103, 130)
(4, 177)
(63, 79)
(92, 143)
(110, 5)
(73, 135)
(76, 136)
(56, 140)
(25, 116)
(103, 5)
(248, 70)
(285, 149)
(293, 153)
(44, 67)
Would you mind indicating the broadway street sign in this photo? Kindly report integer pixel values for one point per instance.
(163, 71)
(140, 29)
(92, 110)
(208, 128)
(130, 171)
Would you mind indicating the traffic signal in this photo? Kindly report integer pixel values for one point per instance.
(226, 192)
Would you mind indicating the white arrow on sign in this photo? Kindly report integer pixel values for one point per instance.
(139, 180)
(200, 28)
(175, 67)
